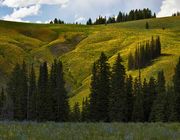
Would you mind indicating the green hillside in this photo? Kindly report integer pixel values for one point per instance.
(78, 46)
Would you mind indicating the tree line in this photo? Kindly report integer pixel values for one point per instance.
(123, 17)
(36, 99)
(57, 21)
(114, 95)
(144, 54)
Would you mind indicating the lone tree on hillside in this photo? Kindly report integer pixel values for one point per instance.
(147, 25)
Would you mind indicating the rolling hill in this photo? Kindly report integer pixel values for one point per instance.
(78, 46)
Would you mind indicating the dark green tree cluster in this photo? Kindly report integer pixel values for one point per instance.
(144, 54)
(111, 20)
(42, 100)
(57, 21)
(135, 15)
(123, 17)
(2, 101)
(89, 22)
(119, 98)
(100, 90)
(114, 97)
(100, 20)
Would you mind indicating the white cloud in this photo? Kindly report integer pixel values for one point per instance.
(24, 8)
(26, 3)
(83, 8)
(20, 13)
(94, 8)
(80, 19)
(39, 22)
(169, 7)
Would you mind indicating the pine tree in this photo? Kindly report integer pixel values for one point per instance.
(146, 97)
(100, 89)
(52, 90)
(89, 22)
(42, 109)
(55, 21)
(119, 17)
(32, 97)
(24, 92)
(76, 114)
(2, 100)
(61, 99)
(176, 78)
(129, 99)
(144, 54)
(147, 25)
(159, 104)
(158, 46)
(118, 98)
(176, 97)
(130, 61)
(152, 97)
(94, 93)
(154, 15)
(138, 111)
(172, 112)
(14, 91)
(85, 111)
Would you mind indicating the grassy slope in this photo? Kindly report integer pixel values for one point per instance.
(79, 46)
(124, 38)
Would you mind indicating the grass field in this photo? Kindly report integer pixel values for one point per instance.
(88, 131)
(78, 46)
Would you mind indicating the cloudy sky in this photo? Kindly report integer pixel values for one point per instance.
(78, 10)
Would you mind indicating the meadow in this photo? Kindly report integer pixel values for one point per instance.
(78, 46)
(88, 131)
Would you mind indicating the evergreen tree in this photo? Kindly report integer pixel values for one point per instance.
(119, 17)
(24, 92)
(100, 89)
(89, 22)
(76, 114)
(32, 97)
(172, 112)
(2, 100)
(129, 99)
(159, 104)
(152, 97)
(118, 98)
(52, 90)
(176, 78)
(158, 46)
(14, 90)
(176, 97)
(94, 93)
(154, 15)
(85, 110)
(138, 111)
(146, 97)
(42, 109)
(147, 25)
(55, 21)
(61, 99)
(144, 53)
(130, 61)
(111, 19)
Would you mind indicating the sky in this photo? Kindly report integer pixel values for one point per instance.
(42, 11)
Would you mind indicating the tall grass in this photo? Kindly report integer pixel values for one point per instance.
(88, 131)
